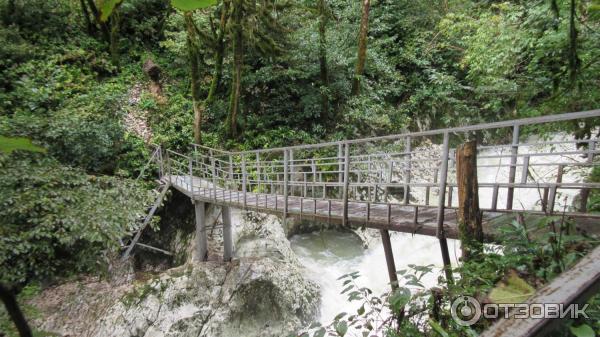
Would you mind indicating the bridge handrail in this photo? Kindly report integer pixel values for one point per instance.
(477, 127)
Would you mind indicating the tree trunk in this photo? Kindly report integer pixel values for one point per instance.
(469, 215)
(114, 38)
(12, 307)
(194, 54)
(238, 54)
(555, 10)
(11, 12)
(219, 54)
(324, 73)
(91, 27)
(362, 47)
(104, 28)
(574, 61)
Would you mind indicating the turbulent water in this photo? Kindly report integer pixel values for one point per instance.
(330, 254)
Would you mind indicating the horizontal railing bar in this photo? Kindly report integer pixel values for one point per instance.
(478, 127)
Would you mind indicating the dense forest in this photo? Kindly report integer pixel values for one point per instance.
(88, 85)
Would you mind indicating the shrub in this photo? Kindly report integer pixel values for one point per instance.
(56, 220)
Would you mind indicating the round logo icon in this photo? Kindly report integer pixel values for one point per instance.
(465, 310)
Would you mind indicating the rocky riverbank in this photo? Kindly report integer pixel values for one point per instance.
(263, 292)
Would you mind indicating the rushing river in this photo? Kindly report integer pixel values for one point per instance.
(328, 255)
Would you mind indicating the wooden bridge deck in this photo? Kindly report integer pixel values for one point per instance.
(401, 218)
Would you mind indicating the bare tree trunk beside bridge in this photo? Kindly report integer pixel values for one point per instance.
(469, 216)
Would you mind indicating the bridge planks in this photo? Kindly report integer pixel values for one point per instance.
(401, 217)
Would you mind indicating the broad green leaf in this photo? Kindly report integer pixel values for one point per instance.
(9, 145)
(438, 328)
(513, 290)
(361, 310)
(107, 7)
(341, 328)
(190, 5)
(319, 333)
(339, 316)
(583, 330)
(399, 299)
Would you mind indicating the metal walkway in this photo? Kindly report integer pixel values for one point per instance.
(403, 182)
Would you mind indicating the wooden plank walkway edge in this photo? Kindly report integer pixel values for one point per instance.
(575, 285)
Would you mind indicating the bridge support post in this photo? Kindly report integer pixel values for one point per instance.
(441, 234)
(201, 237)
(389, 258)
(227, 234)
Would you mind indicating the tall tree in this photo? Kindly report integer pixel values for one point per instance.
(219, 52)
(574, 61)
(362, 47)
(238, 60)
(194, 59)
(324, 72)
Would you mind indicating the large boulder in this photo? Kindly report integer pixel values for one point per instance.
(263, 292)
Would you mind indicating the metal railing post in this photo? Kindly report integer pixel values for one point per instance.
(231, 181)
(258, 171)
(513, 166)
(213, 174)
(190, 164)
(346, 183)
(340, 165)
(285, 185)
(161, 164)
(244, 180)
(407, 169)
(440, 233)
(169, 167)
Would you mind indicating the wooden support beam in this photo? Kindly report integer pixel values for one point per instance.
(146, 222)
(441, 234)
(201, 237)
(227, 234)
(469, 216)
(162, 251)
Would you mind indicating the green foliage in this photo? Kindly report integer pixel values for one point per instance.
(594, 198)
(107, 7)
(190, 5)
(8, 145)
(57, 221)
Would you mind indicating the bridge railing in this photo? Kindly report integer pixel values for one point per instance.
(413, 169)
